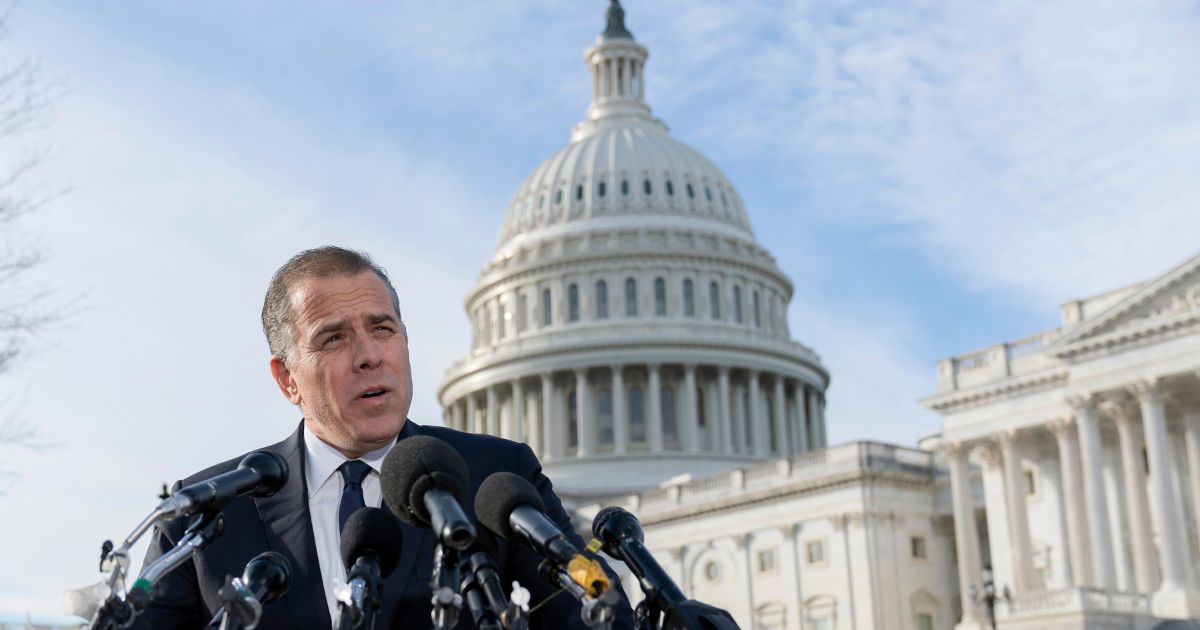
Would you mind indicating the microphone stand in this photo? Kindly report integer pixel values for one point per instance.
(238, 612)
(481, 612)
(118, 613)
(447, 601)
(359, 608)
(596, 612)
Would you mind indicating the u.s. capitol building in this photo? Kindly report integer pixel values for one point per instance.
(632, 331)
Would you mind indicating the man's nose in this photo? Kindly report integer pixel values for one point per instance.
(368, 354)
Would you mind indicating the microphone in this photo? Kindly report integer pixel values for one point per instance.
(511, 508)
(481, 568)
(371, 542)
(265, 579)
(621, 536)
(424, 483)
(259, 474)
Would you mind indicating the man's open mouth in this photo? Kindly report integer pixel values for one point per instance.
(372, 393)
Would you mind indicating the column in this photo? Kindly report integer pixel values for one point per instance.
(518, 412)
(654, 426)
(802, 444)
(1173, 598)
(1191, 427)
(740, 433)
(690, 425)
(472, 413)
(723, 417)
(1145, 565)
(814, 418)
(966, 539)
(1018, 519)
(620, 410)
(460, 413)
(493, 419)
(1104, 571)
(781, 419)
(583, 414)
(758, 418)
(789, 556)
(551, 436)
(1072, 499)
(742, 542)
(996, 512)
(821, 419)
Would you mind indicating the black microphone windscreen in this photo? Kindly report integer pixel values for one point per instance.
(271, 572)
(272, 470)
(413, 467)
(499, 495)
(374, 532)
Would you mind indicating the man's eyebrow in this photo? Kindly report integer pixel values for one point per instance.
(330, 328)
(380, 318)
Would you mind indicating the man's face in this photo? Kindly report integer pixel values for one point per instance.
(349, 369)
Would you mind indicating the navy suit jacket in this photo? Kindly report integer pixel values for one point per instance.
(187, 598)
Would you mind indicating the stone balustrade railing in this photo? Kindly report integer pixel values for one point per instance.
(1012, 358)
(1085, 599)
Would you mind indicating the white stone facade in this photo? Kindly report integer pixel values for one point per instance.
(1086, 441)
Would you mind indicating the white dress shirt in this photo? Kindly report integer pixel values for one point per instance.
(325, 484)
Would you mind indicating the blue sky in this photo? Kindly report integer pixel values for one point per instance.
(934, 177)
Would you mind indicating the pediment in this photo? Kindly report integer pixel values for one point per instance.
(1165, 302)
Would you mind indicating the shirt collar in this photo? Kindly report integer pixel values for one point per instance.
(322, 460)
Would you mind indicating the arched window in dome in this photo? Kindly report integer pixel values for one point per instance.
(604, 416)
(600, 189)
(578, 192)
(572, 420)
(547, 313)
(670, 189)
(601, 299)
(737, 304)
(660, 297)
(624, 186)
(714, 300)
(573, 303)
(723, 201)
(558, 196)
(668, 414)
(637, 415)
(541, 202)
(689, 298)
(708, 194)
(522, 312)
(630, 297)
(757, 318)
(646, 186)
(691, 193)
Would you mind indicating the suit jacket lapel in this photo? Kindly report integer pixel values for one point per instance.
(289, 531)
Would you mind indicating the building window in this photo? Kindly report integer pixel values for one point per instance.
(601, 299)
(814, 552)
(600, 189)
(714, 300)
(712, 571)
(579, 192)
(572, 420)
(605, 416)
(701, 415)
(630, 297)
(573, 303)
(690, 192)
(757, 319)
(646, 186)
(624, 187)
(737, 304)
(924, 621)
(637, 415)
(522, 312)
(547, 315)
(689, 301)
(558, 196)
(660, 296)
(747, 419)
(670, 189)
(502, 320)
(708, 193)
(918, 547)
(1030, 483)
(667, 398)
(766, 561)
(770, 411)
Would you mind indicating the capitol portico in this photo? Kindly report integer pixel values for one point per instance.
(1086, 498)
(629, 328)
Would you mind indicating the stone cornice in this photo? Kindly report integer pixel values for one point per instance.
(989, 392)
(1149, 331)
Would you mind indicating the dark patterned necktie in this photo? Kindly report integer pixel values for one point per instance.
(353, 474)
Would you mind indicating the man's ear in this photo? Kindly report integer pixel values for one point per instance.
(283, 378)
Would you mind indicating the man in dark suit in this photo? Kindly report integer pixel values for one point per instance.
(340, 352)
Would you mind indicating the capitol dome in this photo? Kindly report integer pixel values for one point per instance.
(629, 328)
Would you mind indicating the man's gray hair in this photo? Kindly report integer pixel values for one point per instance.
(320, 262)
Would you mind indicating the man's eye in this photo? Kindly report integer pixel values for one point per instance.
(332, 339)
(387, 329)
